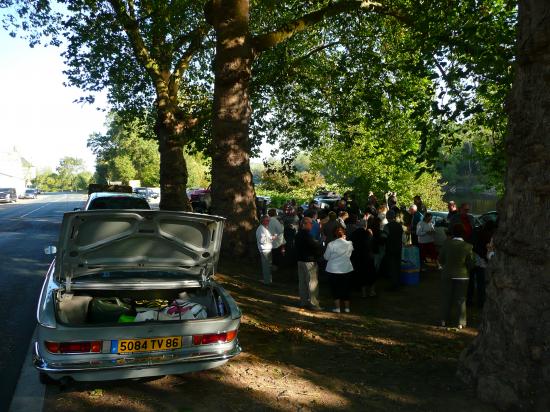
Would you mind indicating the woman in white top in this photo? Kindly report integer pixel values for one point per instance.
(425, 231)
(264, 240)
(339, 268)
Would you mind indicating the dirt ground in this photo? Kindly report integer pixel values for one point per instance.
(386, 355)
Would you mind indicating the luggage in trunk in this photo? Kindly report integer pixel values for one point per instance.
(93, 307)
(105, 310)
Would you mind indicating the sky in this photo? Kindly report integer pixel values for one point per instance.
(37, 113)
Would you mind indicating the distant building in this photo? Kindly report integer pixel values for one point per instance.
(15, 171)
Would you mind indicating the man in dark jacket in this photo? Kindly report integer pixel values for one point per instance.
(307, 253)
(394, 244)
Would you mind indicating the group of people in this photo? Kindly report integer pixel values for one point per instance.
(353, 248)
(350, 246)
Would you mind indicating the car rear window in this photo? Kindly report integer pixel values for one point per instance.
(118, 202)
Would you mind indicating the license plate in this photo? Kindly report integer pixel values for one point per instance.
(146, 345)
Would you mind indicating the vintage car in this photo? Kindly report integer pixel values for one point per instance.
(130, 294)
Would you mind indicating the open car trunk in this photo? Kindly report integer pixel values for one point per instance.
(130, 294)
(116, 307)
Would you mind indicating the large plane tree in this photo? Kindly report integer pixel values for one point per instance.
(509, 361)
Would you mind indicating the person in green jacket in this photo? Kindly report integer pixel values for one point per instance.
(457, 258)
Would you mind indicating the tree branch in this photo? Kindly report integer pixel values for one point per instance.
(195, 39)
(185, 38)
(130, 25)
(317, 50)
(266, 41)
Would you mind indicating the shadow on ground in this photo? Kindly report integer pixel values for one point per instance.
(386, 355)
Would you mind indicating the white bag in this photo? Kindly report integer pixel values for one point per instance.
(178, 310)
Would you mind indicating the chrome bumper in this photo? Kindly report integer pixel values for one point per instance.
(137, 362)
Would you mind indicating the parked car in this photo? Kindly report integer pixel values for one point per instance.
(98, 187)
(326, 199)
(153, 193)
(29, 194)
(439, 218)
(130, 294)
(8, 195)
(327, 202)
(113, 200)
(441, 225)
(266, 199)
(201, 199)
(146, 192)
(485, 217)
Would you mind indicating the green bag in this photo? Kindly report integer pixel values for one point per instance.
(126, 319)
(105, 310)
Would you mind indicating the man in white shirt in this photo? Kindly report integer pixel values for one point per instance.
(276, 229)
(265, 246)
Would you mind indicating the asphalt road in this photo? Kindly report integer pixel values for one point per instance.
(26, 228)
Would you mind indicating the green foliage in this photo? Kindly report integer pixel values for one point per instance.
(123, 169)
(305, 182)
(476, 158)
(282, 183)
(278, 199)
(443, 64)
(69, 175)
(127, 151)
(379, 160)
(198, 168)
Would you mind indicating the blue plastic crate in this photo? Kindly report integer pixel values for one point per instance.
(410, 274)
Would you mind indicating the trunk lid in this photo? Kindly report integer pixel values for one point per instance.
(108, 240)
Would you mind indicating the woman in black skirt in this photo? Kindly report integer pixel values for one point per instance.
(339, 269)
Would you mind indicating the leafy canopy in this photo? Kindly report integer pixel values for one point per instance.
(70, 174)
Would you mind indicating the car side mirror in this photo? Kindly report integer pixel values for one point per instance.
(76, 209)
(50, 250)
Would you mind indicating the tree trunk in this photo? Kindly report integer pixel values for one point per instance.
(509, 361)
(233, 193)
(173, 169)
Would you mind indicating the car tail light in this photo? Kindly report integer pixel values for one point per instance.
(74, 347)
(214, 338)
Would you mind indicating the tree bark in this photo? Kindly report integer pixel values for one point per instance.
(509, 361)
(173, 169)
(233, 194)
